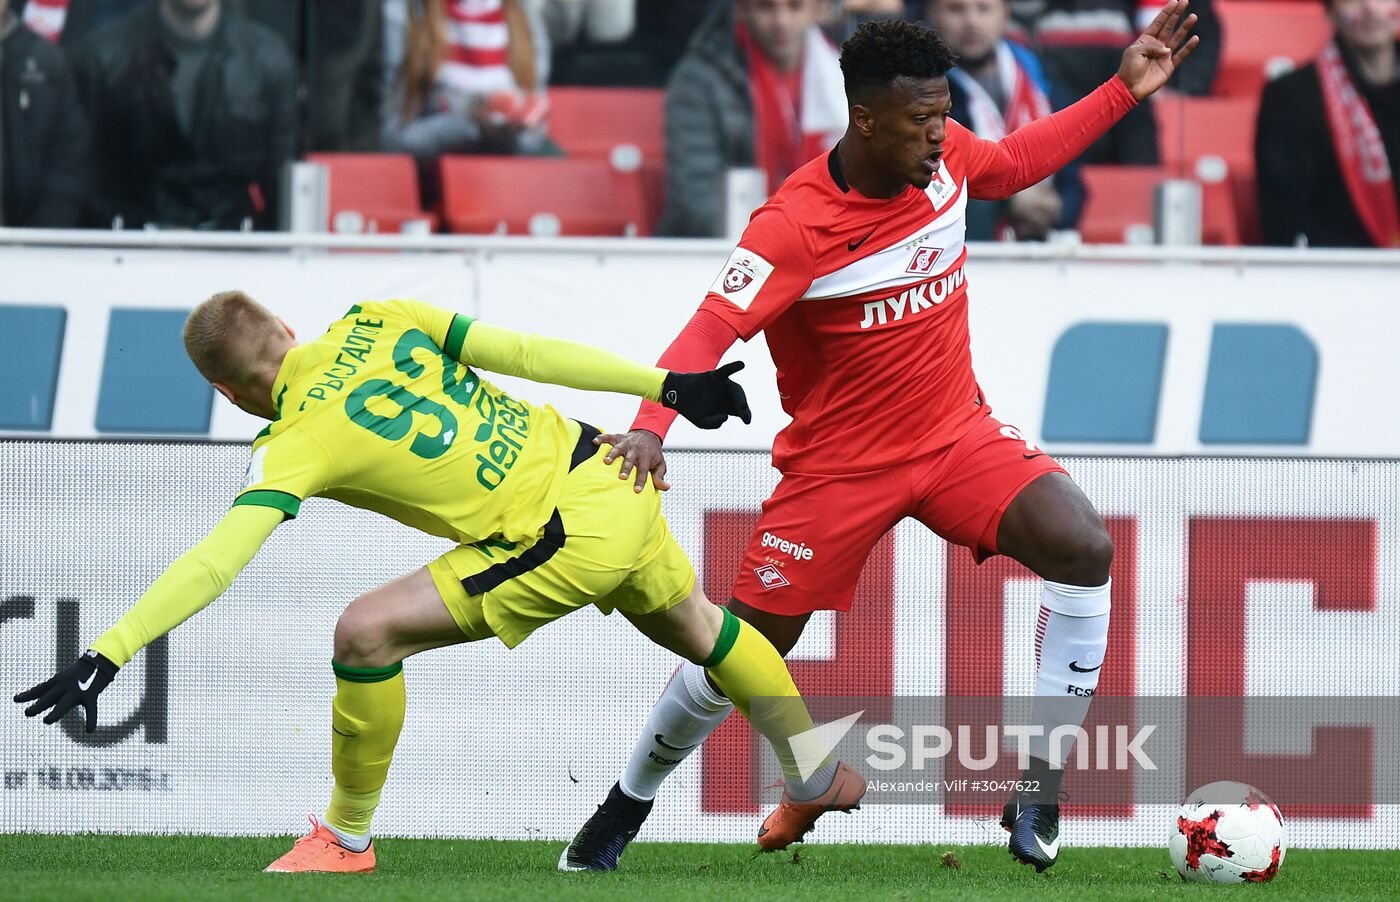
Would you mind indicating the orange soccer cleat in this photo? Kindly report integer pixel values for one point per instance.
(320, 852)
(791, 820)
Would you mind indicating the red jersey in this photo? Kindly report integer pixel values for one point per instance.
(864, 300)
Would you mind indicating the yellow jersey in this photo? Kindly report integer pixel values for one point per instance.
(379, 413)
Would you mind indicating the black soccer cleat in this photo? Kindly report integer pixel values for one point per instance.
(600, 842)
(1035, 832)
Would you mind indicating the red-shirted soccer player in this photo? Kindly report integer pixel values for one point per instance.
(854, 272)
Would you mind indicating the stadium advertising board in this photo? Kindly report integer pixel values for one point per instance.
(1233, 577)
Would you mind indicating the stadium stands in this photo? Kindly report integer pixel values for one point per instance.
(625, 126)
(1263, 39)
(614, 139)
(1197, 134)
(1118, 203)
(542, 196)
(594, 122)
(372, 192)
(1211, 140)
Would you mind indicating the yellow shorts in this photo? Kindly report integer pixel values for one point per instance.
(606, 546)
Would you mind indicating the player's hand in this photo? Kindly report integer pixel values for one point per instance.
(1153, 57)
(640, 450)
(707, 399)
(77, 684)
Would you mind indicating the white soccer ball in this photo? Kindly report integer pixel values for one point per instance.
(1227, 833)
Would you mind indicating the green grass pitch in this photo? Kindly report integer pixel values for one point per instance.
(196, 867)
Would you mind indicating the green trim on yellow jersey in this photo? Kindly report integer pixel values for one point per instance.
(353, 310)
(285, 502)
(457, 335)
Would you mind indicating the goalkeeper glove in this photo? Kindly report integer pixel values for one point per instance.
(706, 399)
(77, 684)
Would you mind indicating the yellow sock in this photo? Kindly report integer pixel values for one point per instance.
(749, 670)
(366, 717)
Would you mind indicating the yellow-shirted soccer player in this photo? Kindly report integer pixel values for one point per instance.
(385, 411)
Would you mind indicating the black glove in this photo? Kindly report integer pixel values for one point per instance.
(77, 684)
(707, 399)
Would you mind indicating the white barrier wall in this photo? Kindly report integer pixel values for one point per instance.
(1336, 309)
(224, 728)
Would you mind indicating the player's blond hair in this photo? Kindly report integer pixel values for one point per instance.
(230, 338)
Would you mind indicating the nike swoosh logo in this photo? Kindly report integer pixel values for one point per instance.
(852, 245)
(1074, 665)
(675, 748)
(1051, 850)
(1030, 456)
(84, 684)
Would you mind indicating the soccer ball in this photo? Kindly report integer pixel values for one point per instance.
(1227, 833)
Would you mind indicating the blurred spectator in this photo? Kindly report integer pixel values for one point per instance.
(1081, 43)
(1064, 25)
(1328, 135)
(43, 135)
(759, 86)
(344, 76)
(659, 37)
(598, 21)
(841, 18)
(193, 115)
(68, 21)
(464, 76)
(998, 87)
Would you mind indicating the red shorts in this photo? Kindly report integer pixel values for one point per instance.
(815, 533)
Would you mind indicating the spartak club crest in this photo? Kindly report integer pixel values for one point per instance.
(738, 276)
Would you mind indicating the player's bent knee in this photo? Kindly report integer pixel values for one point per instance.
(1085, 557)
(1097, 550)
(688, 629)
(363, 638)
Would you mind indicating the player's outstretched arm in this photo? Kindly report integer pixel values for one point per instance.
(707, 399)
(1041, 148)
(699, 346)
(188, 585)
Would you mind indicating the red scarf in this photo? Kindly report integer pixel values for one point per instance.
(779, 144)
(1027, 102)
(46, 17)
(1357, 141)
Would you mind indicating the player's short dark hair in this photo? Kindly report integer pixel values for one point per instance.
(886, 49)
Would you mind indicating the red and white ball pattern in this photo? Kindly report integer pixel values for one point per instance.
(1228, 833)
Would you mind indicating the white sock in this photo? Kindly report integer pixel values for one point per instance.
(1071, 638)
(813, 786)
(688, 711)
(351, 841)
